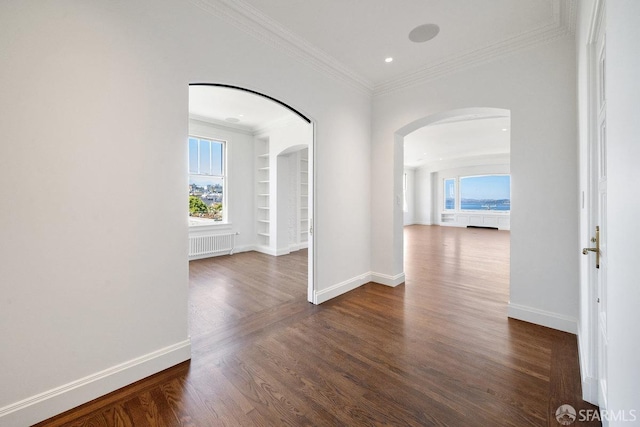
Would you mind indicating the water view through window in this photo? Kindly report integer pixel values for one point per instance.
(486, 192)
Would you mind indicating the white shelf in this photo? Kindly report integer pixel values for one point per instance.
(264, 221)
(262, 156)
(263, 207)
(263, 234)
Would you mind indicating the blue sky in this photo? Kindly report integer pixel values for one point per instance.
(210, 155)
(485, 187)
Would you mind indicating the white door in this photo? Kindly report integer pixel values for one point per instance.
(598, 208)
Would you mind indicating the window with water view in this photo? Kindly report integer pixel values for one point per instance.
(478, 193)
(485, 192)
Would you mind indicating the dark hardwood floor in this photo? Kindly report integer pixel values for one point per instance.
(436, 351)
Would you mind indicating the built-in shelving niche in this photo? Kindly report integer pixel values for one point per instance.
(263, 191)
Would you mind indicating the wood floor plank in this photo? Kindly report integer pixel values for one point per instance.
(438, 350)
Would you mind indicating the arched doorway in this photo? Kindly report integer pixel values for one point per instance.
(454, 147)
(254, 128)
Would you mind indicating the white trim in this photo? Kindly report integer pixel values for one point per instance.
(247, 18)
(269, 251)
(298, 246)
(543, 318)
(253, 22)
(222, 125)
(203, 227)
(385, 279)
(348, 285)
(341, 288)
(589, 383)
(60, 399)
(562, 24)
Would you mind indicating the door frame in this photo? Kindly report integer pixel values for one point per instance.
(590, 343)
(311, 256)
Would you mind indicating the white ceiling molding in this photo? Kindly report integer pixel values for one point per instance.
(564, 21)
(463, 162)
(253, 22)
(232, 127)
(265, 128)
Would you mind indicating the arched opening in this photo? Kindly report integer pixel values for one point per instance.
(455, 171)
(264, 169)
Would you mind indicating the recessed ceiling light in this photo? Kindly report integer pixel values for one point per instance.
(424, 33)
(504, 130)
(240, 115)
(389, 59)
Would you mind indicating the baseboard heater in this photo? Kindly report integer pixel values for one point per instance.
(209, 245)
(482, 226)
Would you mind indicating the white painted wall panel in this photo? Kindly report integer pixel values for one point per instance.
(93, 223)
(538, 87)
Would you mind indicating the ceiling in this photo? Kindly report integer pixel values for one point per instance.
(350, 39)
(444, 142)
(234, 108)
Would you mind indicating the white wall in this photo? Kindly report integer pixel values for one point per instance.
(538, 87)
(240, 179)
(93, 119)
(424, 196)
(410, 214)
(623, 129)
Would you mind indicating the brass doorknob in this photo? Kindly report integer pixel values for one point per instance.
(595, 240)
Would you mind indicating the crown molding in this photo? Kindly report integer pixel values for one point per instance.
(253, 22)
(563, 24)
(265, 128)
(220, 124)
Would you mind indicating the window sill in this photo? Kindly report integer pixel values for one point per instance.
(208, 225)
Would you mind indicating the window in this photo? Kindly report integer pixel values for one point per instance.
(207, 179)
(449, 194)
(485, 192)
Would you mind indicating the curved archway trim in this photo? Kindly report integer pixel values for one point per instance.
(453, 115)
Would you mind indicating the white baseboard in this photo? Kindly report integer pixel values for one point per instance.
(267, 250)
(384, 279)
(348, 285)
(60, 399)
(589, 383)
(303, 245)
(590, 390)
(543, 318)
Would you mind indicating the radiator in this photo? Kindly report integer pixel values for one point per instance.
(211, 245)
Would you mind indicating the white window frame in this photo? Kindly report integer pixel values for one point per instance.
(456, 202)
(207, 222)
